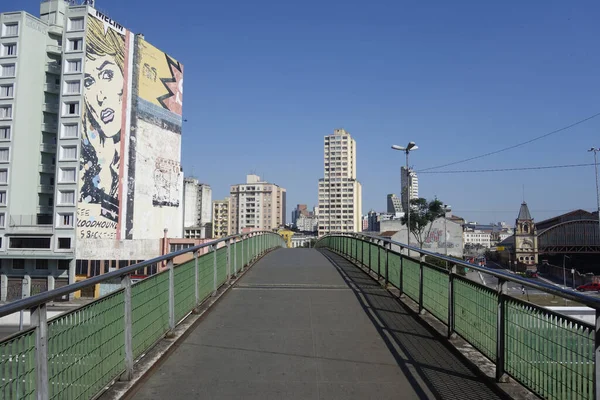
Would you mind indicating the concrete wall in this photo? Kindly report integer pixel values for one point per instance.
(108, 249)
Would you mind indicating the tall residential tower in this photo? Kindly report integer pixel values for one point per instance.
(340, 197)
(408, 177)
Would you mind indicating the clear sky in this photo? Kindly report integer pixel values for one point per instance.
(265, 80)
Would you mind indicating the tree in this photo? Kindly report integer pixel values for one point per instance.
(422, 214)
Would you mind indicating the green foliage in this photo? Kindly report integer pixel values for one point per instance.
(422, 213)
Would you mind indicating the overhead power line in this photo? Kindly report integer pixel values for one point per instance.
(516, 145)
(506, 169)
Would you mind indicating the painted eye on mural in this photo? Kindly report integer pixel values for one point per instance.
(107, 74)
(88, 81)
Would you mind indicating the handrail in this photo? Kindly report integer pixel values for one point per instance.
(577, 297)
(45, 297)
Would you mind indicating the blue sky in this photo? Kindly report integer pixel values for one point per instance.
(266, 80)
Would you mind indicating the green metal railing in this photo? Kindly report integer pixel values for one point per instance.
(78, 354)
(551, 354)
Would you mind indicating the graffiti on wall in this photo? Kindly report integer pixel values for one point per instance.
(103, 129)
(160, 87)
(167, 175)
(435, 239)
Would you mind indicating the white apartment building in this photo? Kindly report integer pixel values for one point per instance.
(340, 193)
(476, 236)
(408, 177)
(77, 98)
(197, 214)
(307, 223)
(256, 205)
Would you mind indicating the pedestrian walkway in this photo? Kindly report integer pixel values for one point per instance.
(302, 324)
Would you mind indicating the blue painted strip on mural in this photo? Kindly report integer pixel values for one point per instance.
(158, 115)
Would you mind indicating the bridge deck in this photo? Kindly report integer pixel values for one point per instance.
(298, 326)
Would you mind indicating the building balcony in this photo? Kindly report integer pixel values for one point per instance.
(51, 127)
(29, 224)
(52, 88)
(45, 210)
(54, 49)
(49, 189)
(48, 148)
(47, 168)
(53, 68)
(55, 29)
(50, 108)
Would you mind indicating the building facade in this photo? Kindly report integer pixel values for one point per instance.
(307, 223)
(526, 241)
(394, 204)
(340, 193)
(408, 179)
(76, 195)
(256, 205)
(197, 219)
(220, 218)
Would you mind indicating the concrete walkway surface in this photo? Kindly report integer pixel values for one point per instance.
(299, 326)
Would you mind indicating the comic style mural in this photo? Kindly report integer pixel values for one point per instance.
(104, 130)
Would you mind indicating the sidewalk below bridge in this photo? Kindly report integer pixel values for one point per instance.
(305, 324)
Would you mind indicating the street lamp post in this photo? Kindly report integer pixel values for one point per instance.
(409, 147)
(596, 150)
(446, 209)
(565, 271)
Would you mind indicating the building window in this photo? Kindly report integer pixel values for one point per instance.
(70, 130)
(67, 175)
(3, 198)
(4, 155)
(5, 112)
(71, 108)
(73, 66)
(68, 153)
(7, 91)
(73, 87)
(3, 176)
(9, 49)
(75, 44)
(4, 132)
(29, 243)
(65, 220)
(7, 70)
(10, 29)
(64, 243)
(95, 267)
(18, 263)
(66, 197)
(41, 263)
(81, 267)
(75, 24)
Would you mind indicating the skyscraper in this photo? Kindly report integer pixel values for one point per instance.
(340, 197)
(394, 205)
(408, 176)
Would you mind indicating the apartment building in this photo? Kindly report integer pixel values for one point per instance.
(220, 218)
(256, 205)
(408, 179)
(340, 197)
(394, 204)
(197, 214)
(79, 94)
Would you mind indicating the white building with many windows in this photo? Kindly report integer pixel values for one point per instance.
(340, 196)
(90, 146)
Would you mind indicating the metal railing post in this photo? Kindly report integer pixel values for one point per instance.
(421, 308)
(235, 257)
(401, 279)
(214, 249)
(362, 252)
(39, 319)
(387, 260)
(377, 243)
(370, 245)
(228, 259)
(501, 326)
(197, 278)
(451, 277)
(171, 297)
(597, 356)
(242, 254)
(128, 328)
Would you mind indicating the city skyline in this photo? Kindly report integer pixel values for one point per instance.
(460, 80)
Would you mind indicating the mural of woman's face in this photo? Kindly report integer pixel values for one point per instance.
(104, 93)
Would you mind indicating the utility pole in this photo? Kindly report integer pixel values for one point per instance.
(596, 150)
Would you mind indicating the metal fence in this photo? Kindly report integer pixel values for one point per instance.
(79, 353)
(549, 353)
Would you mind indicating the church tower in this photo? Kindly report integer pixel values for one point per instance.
(525, 250)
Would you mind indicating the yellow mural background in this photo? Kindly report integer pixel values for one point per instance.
(153, 66)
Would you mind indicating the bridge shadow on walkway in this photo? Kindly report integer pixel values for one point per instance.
(302, 324)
